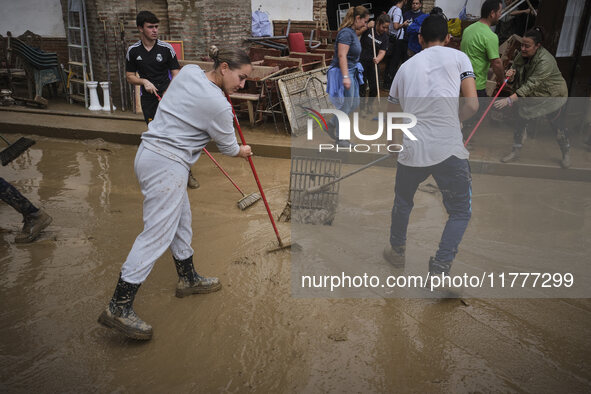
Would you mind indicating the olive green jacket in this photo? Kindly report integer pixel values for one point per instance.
(540, 77)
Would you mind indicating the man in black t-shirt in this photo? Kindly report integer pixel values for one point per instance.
(156, 63)
(367, 58)
(152, 59)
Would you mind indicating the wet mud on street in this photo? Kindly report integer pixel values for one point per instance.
(253, 335)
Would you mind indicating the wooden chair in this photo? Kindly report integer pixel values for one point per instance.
(310, 61)
(258, 53)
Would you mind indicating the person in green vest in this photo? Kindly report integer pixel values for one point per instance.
(539, 90)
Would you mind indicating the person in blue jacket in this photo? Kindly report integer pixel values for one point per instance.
(412, 15)
(415, 28)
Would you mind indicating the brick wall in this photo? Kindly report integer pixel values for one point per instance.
(58, 45)
(319, 11)
(198, 23)
(201, 23)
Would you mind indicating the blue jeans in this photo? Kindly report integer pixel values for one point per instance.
(455, 183)
(350, 103)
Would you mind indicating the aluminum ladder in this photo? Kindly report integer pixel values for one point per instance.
(79, 58)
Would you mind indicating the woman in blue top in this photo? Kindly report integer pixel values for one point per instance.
(345, 73)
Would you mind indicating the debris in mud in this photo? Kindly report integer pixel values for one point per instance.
(338, 336)
(285, 214)
(313, 216)
(244, 261)
(313, 196)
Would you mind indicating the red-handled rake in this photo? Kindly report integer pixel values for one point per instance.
(282, 246)
(485, 112)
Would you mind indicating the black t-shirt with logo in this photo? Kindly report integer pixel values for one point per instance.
(153, 65)
(367, 46)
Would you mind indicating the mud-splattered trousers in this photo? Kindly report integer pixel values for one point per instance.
(12, 197)
(455, 183)
(166, 212)
(557, 121)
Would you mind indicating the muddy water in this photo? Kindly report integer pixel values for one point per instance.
(252, 336)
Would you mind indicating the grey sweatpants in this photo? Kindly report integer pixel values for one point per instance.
(167, 214)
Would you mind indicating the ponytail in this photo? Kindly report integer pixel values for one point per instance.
(234, 57)
(352, 13)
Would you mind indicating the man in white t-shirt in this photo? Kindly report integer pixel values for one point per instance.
(428, 86)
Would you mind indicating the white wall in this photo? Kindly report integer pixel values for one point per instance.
(42, 17)
(452, 8)
(299, 10)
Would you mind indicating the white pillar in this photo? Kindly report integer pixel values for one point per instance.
(106, 99)
(95, 104)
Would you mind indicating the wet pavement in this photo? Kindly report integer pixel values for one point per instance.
(253, 335)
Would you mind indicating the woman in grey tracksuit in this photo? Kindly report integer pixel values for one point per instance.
(193, 111)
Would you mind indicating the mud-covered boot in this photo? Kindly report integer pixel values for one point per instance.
(190, 282)
(395, 255)
(34, 224)
(439, 280)
(511, 156)
(437, 267)
(562, 139)
(565, 162)
(192, 182)
(121, 316)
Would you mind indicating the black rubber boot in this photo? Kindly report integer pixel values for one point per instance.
(395, 255)
(190, 282)
(121, 316)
